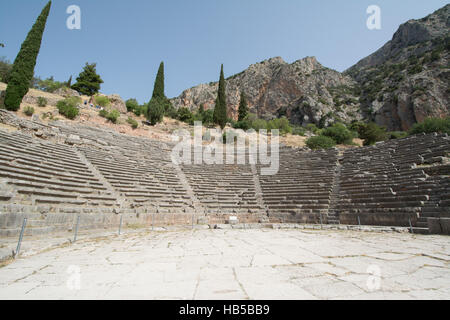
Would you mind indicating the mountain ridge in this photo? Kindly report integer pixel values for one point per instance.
(403, 82)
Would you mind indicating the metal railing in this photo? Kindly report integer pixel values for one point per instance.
(152, 227)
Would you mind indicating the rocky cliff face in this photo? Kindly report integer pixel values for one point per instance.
(305, 91)
(407, 79)
(402, 83)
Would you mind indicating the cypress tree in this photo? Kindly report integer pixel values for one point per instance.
(23, 68)
(159, 104)
(69, 83)
(88, 82)
(220, 110)
(243, 107)
(158, 90)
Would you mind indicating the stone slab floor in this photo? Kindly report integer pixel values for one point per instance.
(236, 264)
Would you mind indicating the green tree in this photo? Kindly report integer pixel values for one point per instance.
(372, 133)
(339, 133)
(88, 82)
(158, 89)
(243, 107)
(69, 82)
(185, 115)
(208, 117)
(201, 110)
(49, 85)
(159, 100)
(132, 105)
(23, 68)
(220, 110)
(155, 111)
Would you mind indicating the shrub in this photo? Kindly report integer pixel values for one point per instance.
(28, 111)
(357, 126)
(281, 124)
(68, 107)
(243, 124)
(298, 131)
(430, 125)
(312, 128)
(208, 117)
(435, 55)
(259, 124)
(113, 116)
(339, 133)
(140, 110)
(42, 102)
(169, 109)
(372, 133)
(103, 113)
(320, 142)
(415, 69)
(397, 135)
(132, 122)
(185, 115)
(132, 105)
(231, 122)
(102, 101)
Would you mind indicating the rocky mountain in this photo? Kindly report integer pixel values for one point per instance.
(408, 79)
(304, 91)
(402, 83)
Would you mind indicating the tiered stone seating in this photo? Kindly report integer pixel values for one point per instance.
(145, 179)
(45, 180)
(44, 173)
(80, 170)
(139, 170)
(387, 184)
(224, 188)
(300, 191)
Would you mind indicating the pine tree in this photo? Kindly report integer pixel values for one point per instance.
(243, 107)
(23, 68)
(220, 110)
(88, 82)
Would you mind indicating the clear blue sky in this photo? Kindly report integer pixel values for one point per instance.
(128, 38)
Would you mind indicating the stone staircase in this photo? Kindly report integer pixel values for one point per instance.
(333, 212)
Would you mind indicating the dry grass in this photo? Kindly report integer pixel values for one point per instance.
(294, 141)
